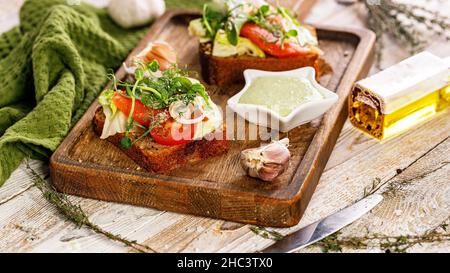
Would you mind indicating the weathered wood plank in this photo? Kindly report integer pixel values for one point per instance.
(345, 183)
(30, 223)
(417, 201)
(20, 180)
(186, 233)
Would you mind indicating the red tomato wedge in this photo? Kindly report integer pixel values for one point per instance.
(142, 114)
(270, 44)
(169, 133)
(172, 133)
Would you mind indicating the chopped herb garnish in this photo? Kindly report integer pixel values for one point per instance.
(153, 66)
(287, 35)
(231, 23)
(155, 92)
(271, 21)
(265, 16)
(231, 31)
(125, 143)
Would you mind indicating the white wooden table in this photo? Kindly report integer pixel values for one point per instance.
(417, 199)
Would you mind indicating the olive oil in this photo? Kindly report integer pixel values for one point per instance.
(370, 119)
(415, 113)
(400, 97)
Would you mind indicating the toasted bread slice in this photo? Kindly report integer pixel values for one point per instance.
(163, 159)
(224, 71)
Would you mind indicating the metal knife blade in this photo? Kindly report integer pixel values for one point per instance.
(322, 228)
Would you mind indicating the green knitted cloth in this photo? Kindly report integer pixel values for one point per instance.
(51, 69)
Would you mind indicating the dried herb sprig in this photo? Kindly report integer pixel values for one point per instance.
(267, 234)
(75, 213)
(335, 243)
(406, 23)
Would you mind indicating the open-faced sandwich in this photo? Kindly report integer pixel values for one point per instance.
(236, 35)
(161, 118)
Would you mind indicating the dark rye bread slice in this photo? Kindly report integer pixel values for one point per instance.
(224, 71)
(163, 159)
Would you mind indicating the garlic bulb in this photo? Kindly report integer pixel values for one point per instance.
(135, 13)
(267, 162)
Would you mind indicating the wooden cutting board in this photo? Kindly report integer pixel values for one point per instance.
(86, 166)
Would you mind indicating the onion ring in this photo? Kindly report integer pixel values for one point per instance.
(181, 112)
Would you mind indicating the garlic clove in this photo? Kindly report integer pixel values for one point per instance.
(266, 162)
(270, 171)
(276, 153)
(250, 159)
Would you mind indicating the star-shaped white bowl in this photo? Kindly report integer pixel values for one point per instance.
(264, 116)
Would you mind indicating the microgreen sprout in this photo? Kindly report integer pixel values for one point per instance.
(156, 90)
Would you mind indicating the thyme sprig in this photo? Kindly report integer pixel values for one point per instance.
(387, 243)
(406, 23)
(75, 213)
(336, 243)
(267, 234)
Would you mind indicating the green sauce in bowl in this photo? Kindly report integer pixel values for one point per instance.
(281, 94)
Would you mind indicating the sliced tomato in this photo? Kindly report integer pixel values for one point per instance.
(172, 133)
(142, 114)
(270, 44)
(169, 133)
